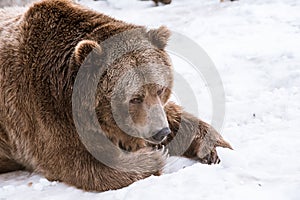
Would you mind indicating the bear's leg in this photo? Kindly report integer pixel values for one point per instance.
(6, 163)
(80, 169)
(192, 137)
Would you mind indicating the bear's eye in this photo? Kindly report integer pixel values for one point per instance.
(160, 91)
(137, 100)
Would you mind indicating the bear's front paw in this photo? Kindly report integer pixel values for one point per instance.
(154, 159)
(210, 158)
(147, 161)
(203, 152)
(203, 147)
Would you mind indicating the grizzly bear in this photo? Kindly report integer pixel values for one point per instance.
(51, 56)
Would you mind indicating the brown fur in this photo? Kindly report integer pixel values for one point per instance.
(40, 54)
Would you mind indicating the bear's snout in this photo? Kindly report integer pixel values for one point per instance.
(161, 134)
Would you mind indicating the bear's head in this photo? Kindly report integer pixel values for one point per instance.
(134, 82)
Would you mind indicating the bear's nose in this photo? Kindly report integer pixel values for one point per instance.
(160, 135)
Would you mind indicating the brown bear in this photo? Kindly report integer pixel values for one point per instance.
(47, 54)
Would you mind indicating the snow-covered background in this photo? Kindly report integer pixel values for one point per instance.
(4, 3)
(255, 45)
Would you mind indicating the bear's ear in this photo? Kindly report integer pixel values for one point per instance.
(159, 37)
(84, 48)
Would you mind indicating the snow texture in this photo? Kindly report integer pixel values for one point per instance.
(5, 3)
(255, 45)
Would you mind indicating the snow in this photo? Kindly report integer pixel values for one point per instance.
(255, 45)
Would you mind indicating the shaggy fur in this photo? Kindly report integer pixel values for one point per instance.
(41, 51)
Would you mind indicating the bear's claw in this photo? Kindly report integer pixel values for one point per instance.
(211, 158)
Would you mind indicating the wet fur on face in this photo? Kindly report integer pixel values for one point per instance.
(138, 96)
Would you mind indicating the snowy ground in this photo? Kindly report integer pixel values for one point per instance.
(255, 45)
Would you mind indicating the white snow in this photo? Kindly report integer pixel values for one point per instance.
(255, 45)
